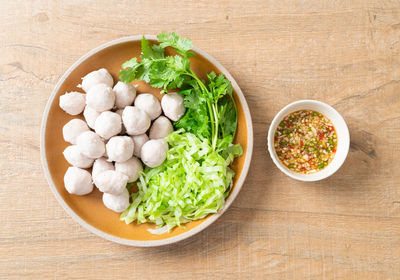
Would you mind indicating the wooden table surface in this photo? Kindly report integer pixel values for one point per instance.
(345, 53)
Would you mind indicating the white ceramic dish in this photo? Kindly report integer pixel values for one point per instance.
(342, 136)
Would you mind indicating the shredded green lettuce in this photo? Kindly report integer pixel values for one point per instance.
(191, 183)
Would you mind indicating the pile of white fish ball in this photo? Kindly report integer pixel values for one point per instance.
(121, 130)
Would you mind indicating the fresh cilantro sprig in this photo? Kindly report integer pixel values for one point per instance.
(211, 109)
(181, 46)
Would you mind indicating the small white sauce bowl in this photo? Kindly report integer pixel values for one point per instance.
(342, 135)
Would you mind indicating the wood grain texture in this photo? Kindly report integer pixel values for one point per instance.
(345, 53)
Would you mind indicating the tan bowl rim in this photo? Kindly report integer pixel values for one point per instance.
(173, 239)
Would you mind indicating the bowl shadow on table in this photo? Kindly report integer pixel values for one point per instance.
(346, 191)
(358, 166)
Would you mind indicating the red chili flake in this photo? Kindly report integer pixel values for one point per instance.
(334, 151)
(321, 136)
(291, 146)
(275, 138)
(301, 143)
(330, 128)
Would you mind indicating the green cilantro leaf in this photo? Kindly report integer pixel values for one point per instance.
(146, 49)
(180, 45)
(128, 72)
(227, 117)
(158, 51)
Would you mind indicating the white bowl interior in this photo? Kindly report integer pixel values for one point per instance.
(342, 136)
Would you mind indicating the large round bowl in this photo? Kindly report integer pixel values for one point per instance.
(89, 210)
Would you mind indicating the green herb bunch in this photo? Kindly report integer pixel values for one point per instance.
(211, 111)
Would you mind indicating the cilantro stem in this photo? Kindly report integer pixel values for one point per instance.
(236, 115)
(212, 110)
(215, 110)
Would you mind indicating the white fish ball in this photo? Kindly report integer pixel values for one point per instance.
(135, 120)
(100, 97)
(119, 112)
(91, 145)
(100, 76)
(73, 129)
(124, 94)
(154, 152)
(139, 140)
(72, 103)
(76, 158)
(116, 203)
(111, 181)
(173, 106)
(108, 124)
(100, 165)
(131, 168)
(90, 115)
(148, 103)
(160, 128)
(78, 181)
(119, 148)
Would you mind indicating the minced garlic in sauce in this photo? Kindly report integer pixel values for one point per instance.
(305, 141)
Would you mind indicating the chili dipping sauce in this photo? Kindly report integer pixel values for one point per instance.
(305, 141)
